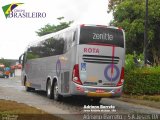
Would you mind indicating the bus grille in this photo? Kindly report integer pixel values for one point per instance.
(100, 59)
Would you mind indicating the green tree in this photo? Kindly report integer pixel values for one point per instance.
(5, 62)
(130, 14)
(53, 28)
(113, 4)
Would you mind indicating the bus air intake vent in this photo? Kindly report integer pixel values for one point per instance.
(100, 59)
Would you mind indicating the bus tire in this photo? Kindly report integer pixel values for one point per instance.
(29, 89)
(57, 97)
(49, 90)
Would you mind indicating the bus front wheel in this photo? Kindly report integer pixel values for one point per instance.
(28, 89)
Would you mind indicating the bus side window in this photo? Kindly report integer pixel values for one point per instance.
(28, 56)
(65, 42)
(49, 46)
(32, 52)
(59, 44)
(70, 38)
(65, 46)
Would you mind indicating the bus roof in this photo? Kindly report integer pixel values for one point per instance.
(41, 38)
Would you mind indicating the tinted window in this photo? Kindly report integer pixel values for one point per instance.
(32, 52)
(53, 46)
(68, 40)
(101, 35)
(50, 47)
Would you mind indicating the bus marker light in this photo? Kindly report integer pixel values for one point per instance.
(118, 90)
(80, 89)
(121, 80)
(75, 75)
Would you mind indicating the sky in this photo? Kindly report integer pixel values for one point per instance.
(17, 33)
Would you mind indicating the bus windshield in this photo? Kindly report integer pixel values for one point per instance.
(102, 35)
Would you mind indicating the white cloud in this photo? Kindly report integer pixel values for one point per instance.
(16, 33)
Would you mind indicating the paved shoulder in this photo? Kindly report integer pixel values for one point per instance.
(130, 107)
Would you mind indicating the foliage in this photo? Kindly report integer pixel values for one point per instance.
(112, 4)
(31, 56)
(53, 28)
(143, 81)
(155, 98)
(130, 14)
(130, 63)
(5, 62)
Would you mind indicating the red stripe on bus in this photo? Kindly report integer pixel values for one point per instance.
(112, 68)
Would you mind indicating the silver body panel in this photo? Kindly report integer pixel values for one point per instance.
(95, 65)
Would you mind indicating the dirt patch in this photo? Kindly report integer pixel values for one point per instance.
(20, 111)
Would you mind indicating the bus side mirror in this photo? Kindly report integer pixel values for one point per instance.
(20, 59)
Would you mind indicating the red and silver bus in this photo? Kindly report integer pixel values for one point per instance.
(85, 60)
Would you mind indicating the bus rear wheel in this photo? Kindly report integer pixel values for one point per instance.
(49, 90)
(57, 97)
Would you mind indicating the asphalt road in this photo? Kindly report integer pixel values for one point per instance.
(70, 108)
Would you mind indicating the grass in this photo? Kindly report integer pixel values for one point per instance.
(152, 98)
(19, 111)
(155, 98)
